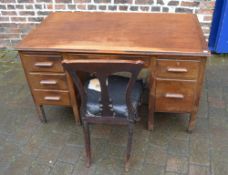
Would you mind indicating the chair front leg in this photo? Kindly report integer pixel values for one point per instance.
(87, 143)
(129, 145)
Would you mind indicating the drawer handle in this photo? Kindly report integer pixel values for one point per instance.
(44, 64)
(176, 69)
(48, 82)
(174, 95)
(52, 98)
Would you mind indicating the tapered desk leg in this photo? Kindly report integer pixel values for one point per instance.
(41, 113)
(152, 87)
(192, 121)
(76, 114)
(73, 98)
(150, 123)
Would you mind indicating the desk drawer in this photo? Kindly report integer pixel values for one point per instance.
(177, 69)
(56, 81)
(42, 62)
(146, 59)
(52, 97)
(174, 96)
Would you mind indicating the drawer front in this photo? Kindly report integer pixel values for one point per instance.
(52, 97)
(146, 59)
(174, 96)
(42, 62)
(177, 69)
(55, 81)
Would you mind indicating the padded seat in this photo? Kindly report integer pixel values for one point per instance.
(117, 87)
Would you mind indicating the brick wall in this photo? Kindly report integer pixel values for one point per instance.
(18, 17)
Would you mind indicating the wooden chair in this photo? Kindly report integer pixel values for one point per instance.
(115, 103)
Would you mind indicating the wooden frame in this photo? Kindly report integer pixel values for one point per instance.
(102, 69)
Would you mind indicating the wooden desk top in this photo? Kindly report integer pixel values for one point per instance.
(122, 33)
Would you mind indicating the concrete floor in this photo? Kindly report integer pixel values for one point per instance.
(30, 147)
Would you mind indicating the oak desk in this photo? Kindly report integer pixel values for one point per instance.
(172, 46)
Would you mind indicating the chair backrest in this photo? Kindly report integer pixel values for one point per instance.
(102, 69)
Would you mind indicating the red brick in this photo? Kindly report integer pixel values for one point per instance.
(205, 11)
(123, 8)
(10, 30)
(207, 18)
(10, 7)
(155, 9)
(102, 1)
(60, 7)
(123, 1)
(160, 2)
(102, 7)
(9, 35)
(43, 13)
(71, 6)
(49, 6)
(8, 25)
(35, 19)
(134, 8)
(82, 1)
(2, 6)
(173, 3)
(190, 4)
(19, 7)
(63, 1)
(4, 19)
(9, 13)
(92, 7)
(183, 10)
(144, 2)
(112, 7)
(165, 9)
(7, 1)
(81, 7)
(25, 1)
(44, 1)
(26, 27)
(15, 41)
(28, 7)
(207, 4)
(144, 8)
(27, 13)
(18, 19)
(5, 43)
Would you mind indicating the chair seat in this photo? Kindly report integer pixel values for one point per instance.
(117, 87)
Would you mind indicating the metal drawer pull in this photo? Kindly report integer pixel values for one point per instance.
(48, 82)
(174, 95)
(52, 98)
(44, 64)
(176, 69)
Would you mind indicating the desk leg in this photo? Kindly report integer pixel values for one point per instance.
(192, 121)
(152, 87)
(150, 122)
(73, 98)
(41, 114)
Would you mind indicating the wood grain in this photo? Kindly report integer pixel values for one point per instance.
(125, 33)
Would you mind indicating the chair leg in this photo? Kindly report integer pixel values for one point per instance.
(129, 145)
(87, 143)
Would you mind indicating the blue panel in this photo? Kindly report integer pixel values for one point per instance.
(218, 40)
(215, 24)
(222, 42)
